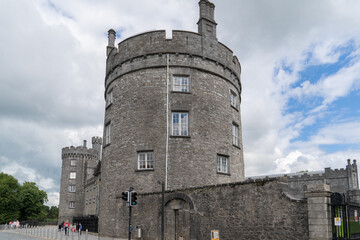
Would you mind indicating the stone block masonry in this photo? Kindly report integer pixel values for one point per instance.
(243, 210)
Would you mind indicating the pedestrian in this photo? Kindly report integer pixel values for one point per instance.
(80, 228)
(66, 226)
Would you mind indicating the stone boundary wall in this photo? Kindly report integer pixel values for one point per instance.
(244, 210)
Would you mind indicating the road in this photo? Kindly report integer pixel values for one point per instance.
(13, 236)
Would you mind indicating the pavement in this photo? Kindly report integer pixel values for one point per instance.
(48, 232)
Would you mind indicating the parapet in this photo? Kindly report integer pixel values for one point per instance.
(77, 151)
(182, 42)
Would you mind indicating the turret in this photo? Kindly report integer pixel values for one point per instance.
(96, 144)
(206, 23)
(111, 41)
(352, 175)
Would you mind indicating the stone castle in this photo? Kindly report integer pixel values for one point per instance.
(173, 119)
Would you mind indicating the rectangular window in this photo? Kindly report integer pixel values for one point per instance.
(72, 175)
(72, 204)
(73, 162)
(72, 188)
(107, 133)
(180, 124)
(233, 99)
(235, 134)
(109, 97)
(180, 84)
(222, 164)
(145, 160)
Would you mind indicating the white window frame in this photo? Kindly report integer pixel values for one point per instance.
(222, 164)
(233, 99)
(72, 175)
(73, 162)
(235, 134)
(108, 133)
(109, 97)
(72, 188)
(145, 160)
(72, 204)
(181, 83)
(180, 124)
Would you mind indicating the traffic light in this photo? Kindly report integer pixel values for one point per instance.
(133, 198)
(125, 196)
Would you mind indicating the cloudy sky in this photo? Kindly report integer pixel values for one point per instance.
(300, 75)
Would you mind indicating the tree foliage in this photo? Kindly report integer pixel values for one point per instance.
(22, 202)
(32, 201)
(9, 201)
(52, 212)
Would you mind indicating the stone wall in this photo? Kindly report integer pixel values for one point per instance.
(244, 210)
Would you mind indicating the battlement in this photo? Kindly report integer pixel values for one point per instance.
(327, 173)
(96, 140)
(182, 42)
(80, 150)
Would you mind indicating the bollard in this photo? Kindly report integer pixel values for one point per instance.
(86, 234)
(72, 235)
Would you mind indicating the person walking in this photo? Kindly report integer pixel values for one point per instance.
(80, 228)
(66, 226)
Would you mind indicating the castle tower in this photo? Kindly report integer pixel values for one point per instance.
(172, 114)
(78, 164)
(352, 175)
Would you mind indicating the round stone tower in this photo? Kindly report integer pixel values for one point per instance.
(172, 113)
(78, 164)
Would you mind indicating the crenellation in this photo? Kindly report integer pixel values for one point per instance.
(183, 42)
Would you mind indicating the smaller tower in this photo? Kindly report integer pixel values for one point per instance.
(96, 144)
(206, 23)
(78, 165)
(352, 175)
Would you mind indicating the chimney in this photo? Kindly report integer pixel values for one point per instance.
(111, 41)
(84, 143)
(206, 23)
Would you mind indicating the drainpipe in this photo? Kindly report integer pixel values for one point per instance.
(167, 121)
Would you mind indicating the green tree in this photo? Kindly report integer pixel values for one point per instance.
(9, 201)
(53, 212)
(32, 201)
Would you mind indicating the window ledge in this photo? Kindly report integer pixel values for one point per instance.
(237, 146)
(180, 92)
(179, 136)
(222, 173)
(145, 170)
(236, 108)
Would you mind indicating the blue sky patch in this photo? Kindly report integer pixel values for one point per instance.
(58, 10)
(347, 107)
(332, 148)
(314, 73)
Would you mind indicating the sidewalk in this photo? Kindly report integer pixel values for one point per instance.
(51, 232)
